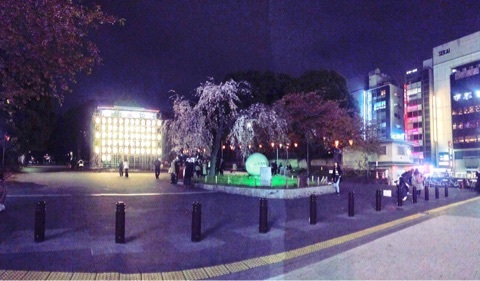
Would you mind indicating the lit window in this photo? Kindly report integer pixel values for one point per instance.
(467, 95)
(457, 97)
(97, 120)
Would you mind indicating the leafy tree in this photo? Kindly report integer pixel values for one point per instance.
(329, 84)
(316, 122)
(43, 46)
(268, 87)
(257, 124)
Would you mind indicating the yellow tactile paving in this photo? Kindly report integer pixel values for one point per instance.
(440, 209)
(217, 270)
(130, 276)
(255, 262)
(14, 274)
(108, 276)
(195, 274)
(60, 276)
(173, 275)
(274, 258)
(84, 276)
(152, 276)
(236, 266)
(36, 275)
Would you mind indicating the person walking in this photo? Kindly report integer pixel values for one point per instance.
(120, 168)
(337, 174)
(125, 167)
(3, 195)
(157, 167)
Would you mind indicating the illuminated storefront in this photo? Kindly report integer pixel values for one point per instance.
(126, 133)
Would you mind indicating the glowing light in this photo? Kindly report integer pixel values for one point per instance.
(97, 135)
(97, 120)
(97, 150)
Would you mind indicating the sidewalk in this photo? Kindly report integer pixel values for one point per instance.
(79, 239)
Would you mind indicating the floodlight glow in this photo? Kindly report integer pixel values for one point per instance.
(477, 94)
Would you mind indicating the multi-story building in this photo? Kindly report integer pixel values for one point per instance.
(418, 95)
(125, 133)
(384, 106)
(455, 103)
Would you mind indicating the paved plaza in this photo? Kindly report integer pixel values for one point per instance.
(432, 239)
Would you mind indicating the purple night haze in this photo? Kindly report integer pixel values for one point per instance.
(176, 45)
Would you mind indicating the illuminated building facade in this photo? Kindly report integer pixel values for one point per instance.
(456, 82)
(384, 106)
(418, 94)
(126, 133)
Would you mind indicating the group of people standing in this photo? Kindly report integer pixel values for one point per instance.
(123, 167)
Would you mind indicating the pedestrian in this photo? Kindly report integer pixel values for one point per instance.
(204, 168)
(337, 174)
(188, 173)
(125, 167)
(120, 168)
(157, 167)
(477, 184)
(198, 169)
(172, 172)
(3, 196)
(417, 181)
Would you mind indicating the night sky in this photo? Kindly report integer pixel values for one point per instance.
(178, 44)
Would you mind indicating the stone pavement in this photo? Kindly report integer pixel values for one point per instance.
(427, 240)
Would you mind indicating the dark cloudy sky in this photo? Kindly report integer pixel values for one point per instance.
(177, 44)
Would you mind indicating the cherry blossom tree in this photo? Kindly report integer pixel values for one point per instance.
(44, 45)
(317, 122)
(204, 125)
(257, 124)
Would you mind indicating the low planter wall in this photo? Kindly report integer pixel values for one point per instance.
(271, 193)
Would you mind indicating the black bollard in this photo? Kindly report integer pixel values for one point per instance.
(378, 201)
(437, 192)
(427, 195)
(40, 212)
(120, 223)
(399, 196)
(196, 222)
(351, 204)
(414, 194)
(263, 221)
(313, 209)
(446, 190)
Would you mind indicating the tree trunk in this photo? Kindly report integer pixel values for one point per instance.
(308, 157)
(216, 147)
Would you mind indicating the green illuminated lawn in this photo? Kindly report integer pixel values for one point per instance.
(278, 181)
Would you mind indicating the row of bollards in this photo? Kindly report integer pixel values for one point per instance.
(40, 213)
